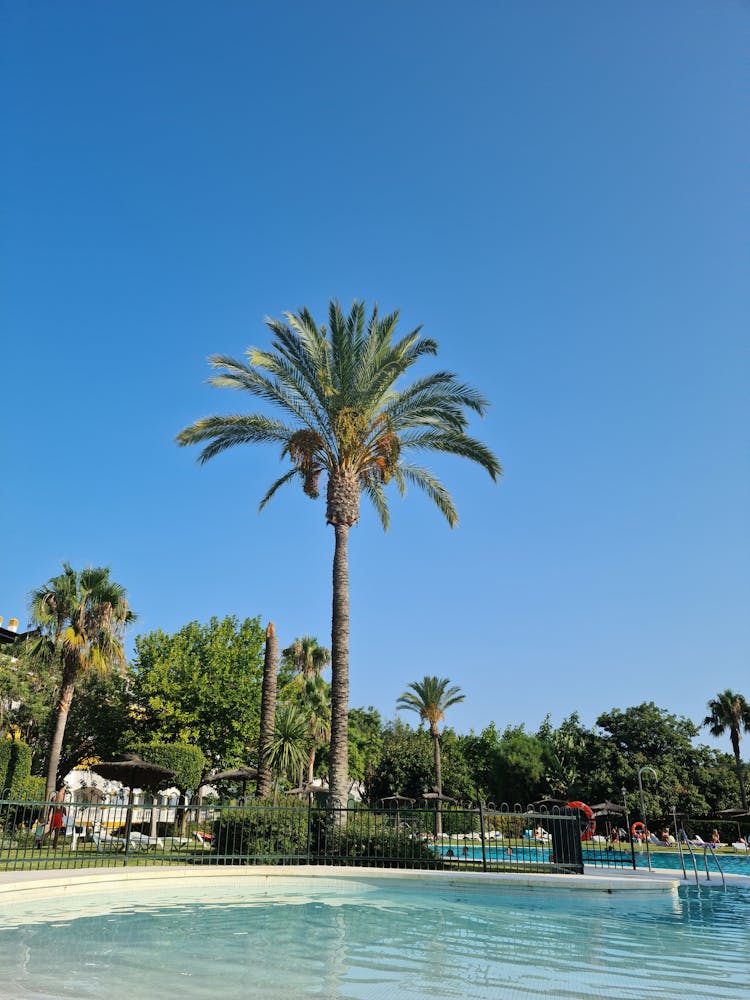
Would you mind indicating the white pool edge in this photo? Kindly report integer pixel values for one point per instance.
(40, 883)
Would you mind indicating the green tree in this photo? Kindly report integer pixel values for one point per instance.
(365, 743)
(346, 418)
(519, 767)
(730, 711)
(82, 617)
(307, 657)
(431, 698)
(201, 685)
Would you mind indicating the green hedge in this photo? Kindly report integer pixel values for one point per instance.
(5, 746)
(187, 761)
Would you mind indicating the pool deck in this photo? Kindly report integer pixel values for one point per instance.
(32, 883)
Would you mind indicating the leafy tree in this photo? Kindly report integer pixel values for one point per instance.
(519, 767)
(345, 418)
(365, 742)
(568, 754)
(82, 617)
(99, 719)
(730, 711)
(28, 687)
(201, 685)
(406, 765)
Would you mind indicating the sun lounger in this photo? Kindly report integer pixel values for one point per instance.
(105, 841)
(143, 842)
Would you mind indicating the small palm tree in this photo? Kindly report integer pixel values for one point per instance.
(290, 743)
(430, 699)
(730, 711)
(82, 617)
(346, 418)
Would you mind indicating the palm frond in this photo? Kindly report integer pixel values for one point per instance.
(277, 485)
(429, 484)
(376, 495)
(228, 431)
(454, 444)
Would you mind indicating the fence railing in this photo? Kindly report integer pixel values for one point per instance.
(49, 835)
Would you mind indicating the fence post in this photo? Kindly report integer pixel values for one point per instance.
(309, 827)
(481, 834)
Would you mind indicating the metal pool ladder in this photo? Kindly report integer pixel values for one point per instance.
(683, 839)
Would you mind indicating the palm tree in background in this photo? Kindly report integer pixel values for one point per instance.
(345, 418)
(308, 659)
(267, 712)
(430, 698)
(82, 617)
(730, 711)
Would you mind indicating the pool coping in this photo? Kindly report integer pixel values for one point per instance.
(41, 883)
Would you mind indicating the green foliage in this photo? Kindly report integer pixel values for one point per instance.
(201, 686)
(31, 789)
(19, 768)
(365, 743)
(430, 698)
(5, 751)
(99, 718)
(519, 767)
(186, 761)
(368, 838)
(267, 833)
(406, 765)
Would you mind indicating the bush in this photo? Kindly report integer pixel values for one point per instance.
(261, 832)
(19, 768)
(5, 746)
(369, 838)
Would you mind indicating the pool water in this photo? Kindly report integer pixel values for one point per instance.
(290, 937)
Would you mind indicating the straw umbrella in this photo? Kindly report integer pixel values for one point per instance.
(242, 773)
(134, 772)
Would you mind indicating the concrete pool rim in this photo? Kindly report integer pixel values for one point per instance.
(38, 884)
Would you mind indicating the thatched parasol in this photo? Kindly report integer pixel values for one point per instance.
(242, 773)
(306, 790)
(398, 798)
(437, 797)
(134, 772)
(608, 809)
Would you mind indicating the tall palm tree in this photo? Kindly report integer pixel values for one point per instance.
(267, 712)
(345, 417)
(82, 617)
(730, 711)
(430, 698)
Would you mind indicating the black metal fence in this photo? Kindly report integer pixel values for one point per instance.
(44, 835)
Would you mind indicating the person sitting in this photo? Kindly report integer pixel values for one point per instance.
(667, 837)
(715, 838)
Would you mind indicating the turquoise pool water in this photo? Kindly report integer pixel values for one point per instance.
(367, 938)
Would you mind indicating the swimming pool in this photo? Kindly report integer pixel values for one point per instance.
(366, 938)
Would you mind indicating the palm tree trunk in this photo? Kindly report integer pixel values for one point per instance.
(339, 776)
(267, 712)
(55, 749)
(311, 765)
(438, 781)
(734, 735)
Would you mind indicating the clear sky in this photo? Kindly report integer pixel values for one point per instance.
(557, 191)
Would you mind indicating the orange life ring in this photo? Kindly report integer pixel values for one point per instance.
(638, 830)
(588, 812)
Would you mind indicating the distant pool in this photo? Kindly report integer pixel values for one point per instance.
(364, 938)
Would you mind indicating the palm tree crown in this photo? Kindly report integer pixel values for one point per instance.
(345, 417)
(730, 711)
(430, 698)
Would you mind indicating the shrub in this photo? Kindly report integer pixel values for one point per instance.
(5, 746)
(261, 832)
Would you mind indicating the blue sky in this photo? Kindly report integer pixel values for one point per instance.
(558, 192)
